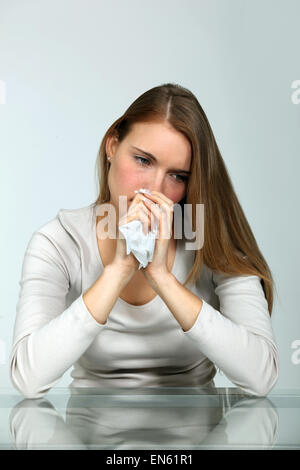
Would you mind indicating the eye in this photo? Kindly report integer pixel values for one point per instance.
(183, 178)
(146, 162)
(141, 158)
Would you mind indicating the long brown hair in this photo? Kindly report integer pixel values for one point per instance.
(229, 244)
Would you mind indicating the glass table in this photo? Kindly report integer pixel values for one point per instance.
(150, 418)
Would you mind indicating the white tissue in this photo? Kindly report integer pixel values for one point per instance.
(137, 242)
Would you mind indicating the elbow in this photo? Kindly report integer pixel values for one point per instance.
(22, 382)
(259, 390)
(265, 388)
(267, 379)
(32, 393)
(27, 389)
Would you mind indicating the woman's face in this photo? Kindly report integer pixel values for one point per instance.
(131, 169)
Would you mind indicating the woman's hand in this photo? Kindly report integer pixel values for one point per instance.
(136, 211)
(162, 208)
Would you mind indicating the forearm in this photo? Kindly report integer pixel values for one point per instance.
(182, 303)
(102, 295)
(246, 358)
(41, 358)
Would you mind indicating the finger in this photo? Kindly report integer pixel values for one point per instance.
(134, 206)
(150, 215)
(154, 207)
(143, 217)
(152, 220)
(134, 213)
(159, 208)
(162, 205)
(156, 211)
(163, 198)
(147, 212)
(165, 216)
(136, 200)
(155, 196)
(140, 213)
(167, 219)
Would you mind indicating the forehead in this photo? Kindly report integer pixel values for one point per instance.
(162, 141)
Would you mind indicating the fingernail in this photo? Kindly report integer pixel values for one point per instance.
(142, 190)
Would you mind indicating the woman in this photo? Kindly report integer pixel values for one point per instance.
(85, 303)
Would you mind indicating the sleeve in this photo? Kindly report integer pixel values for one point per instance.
(48, 337)
(239, 338)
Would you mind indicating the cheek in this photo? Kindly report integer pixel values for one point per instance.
(176, 193)
(127, 176)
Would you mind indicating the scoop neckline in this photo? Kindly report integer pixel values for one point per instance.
(121, 301)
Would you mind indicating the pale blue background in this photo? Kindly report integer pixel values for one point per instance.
(72, 67)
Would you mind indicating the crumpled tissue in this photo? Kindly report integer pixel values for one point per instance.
(137, 242)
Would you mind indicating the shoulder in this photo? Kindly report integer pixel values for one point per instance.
(65, 235)
(69, 226)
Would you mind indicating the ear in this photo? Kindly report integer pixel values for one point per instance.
(111, 145)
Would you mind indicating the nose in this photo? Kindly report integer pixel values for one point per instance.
(156, 185)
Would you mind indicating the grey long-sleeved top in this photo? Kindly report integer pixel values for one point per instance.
(139, 345)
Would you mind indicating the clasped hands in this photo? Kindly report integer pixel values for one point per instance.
(162, 209)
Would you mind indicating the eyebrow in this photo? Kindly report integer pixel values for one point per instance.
(177, 170)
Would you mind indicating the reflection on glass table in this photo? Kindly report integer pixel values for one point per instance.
(152, 418)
